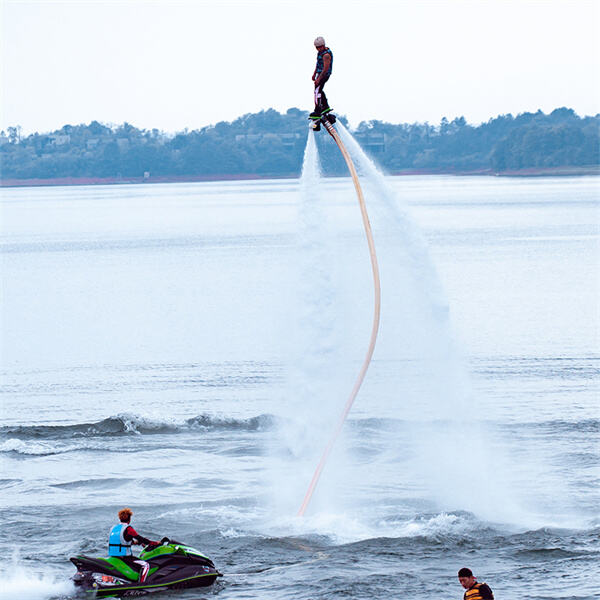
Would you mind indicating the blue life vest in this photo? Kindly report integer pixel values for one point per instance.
(117, 545)
(320, 64)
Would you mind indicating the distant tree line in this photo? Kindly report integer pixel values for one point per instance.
(269, 143)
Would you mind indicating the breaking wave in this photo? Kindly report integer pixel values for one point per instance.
(36, 440)
(125, 424)
(22, 447)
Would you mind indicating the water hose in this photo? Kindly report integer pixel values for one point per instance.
(376, 316)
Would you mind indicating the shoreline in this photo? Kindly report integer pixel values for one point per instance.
(566, 171)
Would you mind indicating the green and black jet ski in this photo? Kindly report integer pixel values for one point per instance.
(173, 566)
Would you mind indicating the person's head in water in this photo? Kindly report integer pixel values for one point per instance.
(466, 578)
(319, 43)
(125, 515)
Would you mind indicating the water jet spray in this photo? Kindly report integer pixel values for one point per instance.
(326, 120)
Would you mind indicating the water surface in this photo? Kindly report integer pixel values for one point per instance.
(183, 349)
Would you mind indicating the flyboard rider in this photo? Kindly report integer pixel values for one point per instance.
(122, 536)
(321, 75)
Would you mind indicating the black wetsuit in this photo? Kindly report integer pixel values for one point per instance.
(321, 103)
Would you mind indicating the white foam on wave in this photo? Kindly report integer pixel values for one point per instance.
(348, 528)
(233, 533)
(341, 528)
(226, 516)
(25, 584)
(132, 423)
(440, 525)
(29, 448)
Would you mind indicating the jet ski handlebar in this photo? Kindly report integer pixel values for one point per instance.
(162, 542)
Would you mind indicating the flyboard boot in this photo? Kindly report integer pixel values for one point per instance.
(328, 115)
(320, 115)
(315, 120)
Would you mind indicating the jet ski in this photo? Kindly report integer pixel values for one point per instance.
(173, 566)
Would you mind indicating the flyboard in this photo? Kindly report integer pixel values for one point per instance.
(328, 120)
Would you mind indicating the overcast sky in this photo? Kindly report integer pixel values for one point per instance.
(174, 64)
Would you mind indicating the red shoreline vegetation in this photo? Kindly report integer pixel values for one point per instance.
(567, 171)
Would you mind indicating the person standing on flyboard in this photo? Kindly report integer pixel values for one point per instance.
(320, 77)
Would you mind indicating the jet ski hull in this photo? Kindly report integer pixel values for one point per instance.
(172, 567)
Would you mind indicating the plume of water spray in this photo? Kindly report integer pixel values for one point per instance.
(417, 374)
(317, 333)
(314, 389)
(415, 306)
(448, 441)
(384, 202)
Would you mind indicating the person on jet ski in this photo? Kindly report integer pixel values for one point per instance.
(122, 536)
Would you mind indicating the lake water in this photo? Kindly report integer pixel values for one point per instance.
(185, 349)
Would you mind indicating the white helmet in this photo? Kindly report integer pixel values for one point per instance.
(319, 41)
